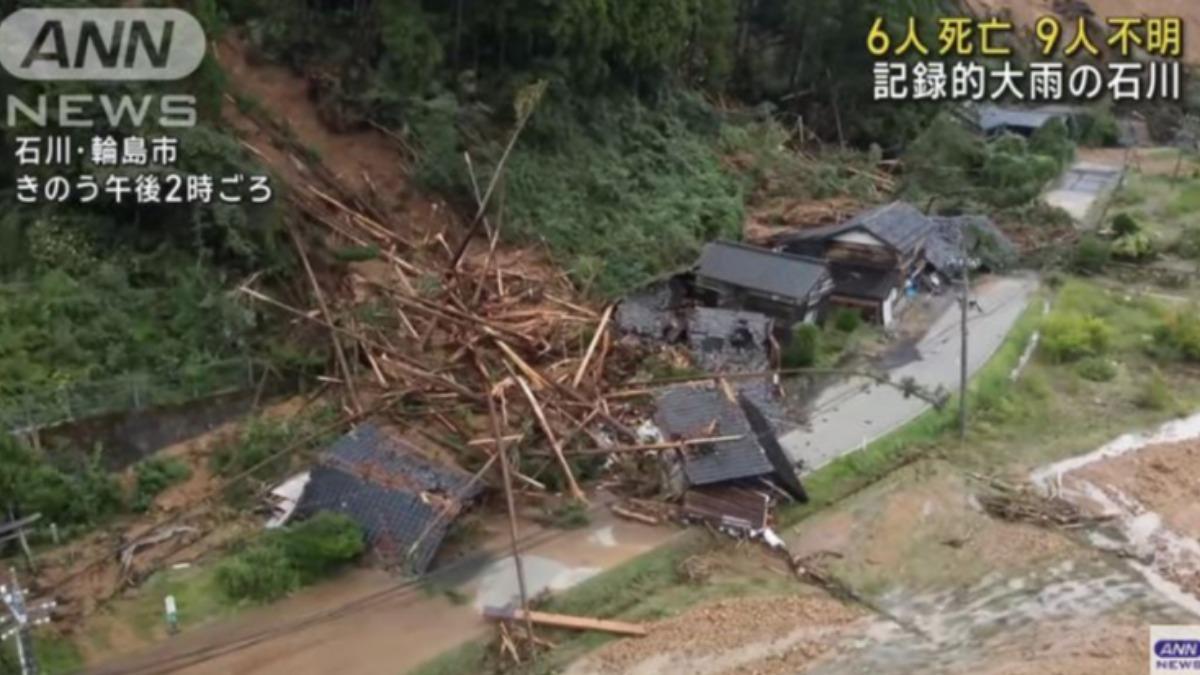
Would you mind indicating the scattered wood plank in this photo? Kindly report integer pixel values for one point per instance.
(576, 492)
(566, 621)
(587, 357)
(633, 515)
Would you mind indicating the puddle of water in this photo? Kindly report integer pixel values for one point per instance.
(603, 537)
(498, 585)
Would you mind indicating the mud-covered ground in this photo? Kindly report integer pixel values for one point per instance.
(945, 588)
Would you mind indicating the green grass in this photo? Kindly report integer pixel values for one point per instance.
(197, 597)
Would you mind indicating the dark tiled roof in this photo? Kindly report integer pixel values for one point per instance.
(689, 412)
(393, 492)
(367, 451)
(393, 519)
(723, 340)
(650, 312)
(781, 274)
(984, 241)
(899, 225)
(864, 282)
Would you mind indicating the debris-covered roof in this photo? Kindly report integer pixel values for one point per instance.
(399, 497)
(393, 520)
(780, 274)
(650, 312)
(984, 242)
(725, 340)
(899, 225)
(697, 412)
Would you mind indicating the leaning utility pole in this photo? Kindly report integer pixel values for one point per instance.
(23, 618)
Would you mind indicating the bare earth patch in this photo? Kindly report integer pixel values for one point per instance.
(746, 635)
(1161, 478)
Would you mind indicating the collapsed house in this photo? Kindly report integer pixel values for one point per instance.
(726, 340)
(874, 257)
(789, 287)
(976, 237)
(731, 481)
(404, 502)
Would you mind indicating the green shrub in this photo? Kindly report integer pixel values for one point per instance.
(82, 494)
(1097, 369)
(1180, 335)
(1091, 255)
(802, 350)
(1097, 128)
(155, 475)
(1124, 224)
(261, 573)
(318, 546)
(846, 320)
(282, 561)
(1188, 244)
(1070, 336)
(1155, 394)
(1136, 246)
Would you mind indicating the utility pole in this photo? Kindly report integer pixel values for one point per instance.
(20, 622)
(966, 304)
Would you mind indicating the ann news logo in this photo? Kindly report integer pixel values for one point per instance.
(1174, 649)
(101, 45)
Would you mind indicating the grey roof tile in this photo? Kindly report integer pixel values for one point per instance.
(781, 274)
(690, 412)
(393, 492)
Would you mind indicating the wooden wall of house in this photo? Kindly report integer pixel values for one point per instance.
(861, 254)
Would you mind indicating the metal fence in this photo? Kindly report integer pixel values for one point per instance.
(135, 391)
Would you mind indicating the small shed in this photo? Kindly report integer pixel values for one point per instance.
(785, 286)
(404, 501)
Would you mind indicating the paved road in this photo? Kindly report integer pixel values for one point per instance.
(852, 414)
(1081, 186)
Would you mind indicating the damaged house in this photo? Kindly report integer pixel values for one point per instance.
(788, 287)
(404, 501)
(733, 481)
(873, 257)
(977, 236)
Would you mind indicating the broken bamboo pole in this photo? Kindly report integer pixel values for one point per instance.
(501, 453)
(591, 350)
(538, 413)
(343, 364)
